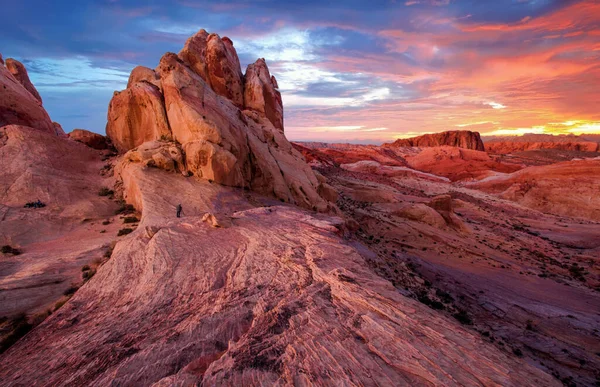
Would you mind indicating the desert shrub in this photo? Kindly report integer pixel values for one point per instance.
(518, 352)
(577, 272)
(463, 317)
(444, 296)
(131, 219)
(85, 268)
(70, 290)
(125, 209)
(7, 249)
(87, 275)
(106, 223)
(60, 303)
(124, 231)
(18, 327)
(105, 192)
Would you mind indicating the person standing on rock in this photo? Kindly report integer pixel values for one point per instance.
(179, 210)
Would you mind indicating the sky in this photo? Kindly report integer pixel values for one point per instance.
(349, 71)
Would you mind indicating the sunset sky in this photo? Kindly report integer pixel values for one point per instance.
(358, 71)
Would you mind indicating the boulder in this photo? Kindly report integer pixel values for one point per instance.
(91, 139)
(261, 94)
(157, 154)
(136, 115)
(17, 69)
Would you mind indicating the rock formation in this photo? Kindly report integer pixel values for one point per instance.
(457, 163)
(17, 69)
(261, 94)
(91, 139)
(508, 147)
(458, 138)
(136, 115)
(230, 127)
(18, 102)
(569, 188)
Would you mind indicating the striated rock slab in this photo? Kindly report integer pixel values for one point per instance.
(258, 302)
(458, 138)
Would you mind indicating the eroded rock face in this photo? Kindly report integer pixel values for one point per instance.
(18, 106)
(216, 62)
(17, 69)
(143, 74)
(136, 115)
(261, 94)
(458, 138)
(204, 111)
(91, 139)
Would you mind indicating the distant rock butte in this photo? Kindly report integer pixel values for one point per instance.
(457, 138)
(229, 126)
(20, 103)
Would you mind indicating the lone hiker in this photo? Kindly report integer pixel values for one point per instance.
(179, 210)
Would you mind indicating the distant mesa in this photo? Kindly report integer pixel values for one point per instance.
(527, 142)
(228, 125)
(457, 138)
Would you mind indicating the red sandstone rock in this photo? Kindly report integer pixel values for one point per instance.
(17, 69)
(261, 94)
(91, 139)
(143, 74)
(58, 130)
(216, 62)
(135, 115)
(221, 143)
(514, 146)
(457, 163)
(458, 138)
(569, 188)
(18, 106)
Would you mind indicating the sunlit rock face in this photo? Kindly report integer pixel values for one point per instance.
(458, 138)
(230, 126)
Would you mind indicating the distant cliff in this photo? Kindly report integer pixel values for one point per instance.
(457, 138)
